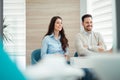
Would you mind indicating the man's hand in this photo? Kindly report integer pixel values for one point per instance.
(85, 46)
(100, 49)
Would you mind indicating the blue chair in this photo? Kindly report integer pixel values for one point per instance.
(35, 56)
(76, 54)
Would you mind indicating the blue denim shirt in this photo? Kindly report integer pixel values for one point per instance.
(50, 45)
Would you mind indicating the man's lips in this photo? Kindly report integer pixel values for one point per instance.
(89, 26)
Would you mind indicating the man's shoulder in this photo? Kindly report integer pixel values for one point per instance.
(80, 33)
(98, 33)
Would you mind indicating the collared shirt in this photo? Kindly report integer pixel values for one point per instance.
(90, 39)
(89, 36)
(50, 45)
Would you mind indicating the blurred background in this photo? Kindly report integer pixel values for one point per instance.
(27, 22)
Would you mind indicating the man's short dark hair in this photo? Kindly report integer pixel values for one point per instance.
(85, 16)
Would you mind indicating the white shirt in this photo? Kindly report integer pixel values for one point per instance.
(91, 39)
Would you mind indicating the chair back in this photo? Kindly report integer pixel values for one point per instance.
(75, 54)
(35, 56)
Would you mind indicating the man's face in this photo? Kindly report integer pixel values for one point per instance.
(87, 23)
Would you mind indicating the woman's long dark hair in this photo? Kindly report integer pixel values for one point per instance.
(63, 39)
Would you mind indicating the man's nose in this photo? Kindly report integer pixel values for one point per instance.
(90, 24)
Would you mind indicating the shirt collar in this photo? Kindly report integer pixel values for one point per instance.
(87, 33)
(52, 35)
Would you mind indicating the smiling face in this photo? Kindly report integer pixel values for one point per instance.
(58, 25)
(87, 23)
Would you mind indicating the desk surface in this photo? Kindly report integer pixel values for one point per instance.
(81, 62)
(105, 65)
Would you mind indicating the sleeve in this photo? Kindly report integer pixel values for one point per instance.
(101, 43)
(80, 47)
(44, 46)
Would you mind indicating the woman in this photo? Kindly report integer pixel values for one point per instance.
(55, 41)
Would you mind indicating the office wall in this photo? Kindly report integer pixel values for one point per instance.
(38, 15)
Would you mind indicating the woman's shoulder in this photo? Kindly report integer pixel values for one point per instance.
(46, 37)
(96, 32)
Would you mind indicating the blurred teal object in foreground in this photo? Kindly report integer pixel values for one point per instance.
(8, 69)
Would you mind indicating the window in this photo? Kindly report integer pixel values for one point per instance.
(102, 19)
(14, 15)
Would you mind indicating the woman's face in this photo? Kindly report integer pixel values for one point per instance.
(58, 25)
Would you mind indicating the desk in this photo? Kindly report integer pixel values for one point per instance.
(105, 65)
(86, 64)
(53, 67)
(81, 62)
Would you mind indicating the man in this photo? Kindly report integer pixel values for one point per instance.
(88, 41)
